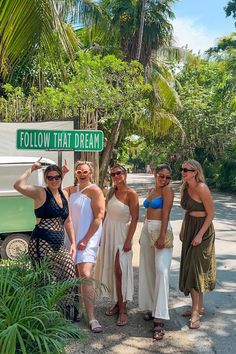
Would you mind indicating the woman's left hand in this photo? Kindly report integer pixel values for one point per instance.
(72, 251)
(197, 240)
(65, 169)
(127, 246)
(160, 243)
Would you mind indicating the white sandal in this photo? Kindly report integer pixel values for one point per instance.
(95, 326)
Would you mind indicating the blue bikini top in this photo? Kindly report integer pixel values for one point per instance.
(156, 203)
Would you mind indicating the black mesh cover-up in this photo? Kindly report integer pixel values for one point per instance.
(47, 239)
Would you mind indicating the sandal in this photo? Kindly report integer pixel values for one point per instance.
(147, 316)
(158, 331)
(112, 311)
(194, 322)
(188, 313)
(95, 326)
(122, 319)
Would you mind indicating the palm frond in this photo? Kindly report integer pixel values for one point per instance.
(27, 27)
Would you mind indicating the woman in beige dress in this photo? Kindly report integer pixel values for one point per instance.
(114, 263)
(198, 264)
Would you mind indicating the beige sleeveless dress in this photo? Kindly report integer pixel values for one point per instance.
(115, 229)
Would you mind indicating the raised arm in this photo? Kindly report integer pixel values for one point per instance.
(98, 208)
(26, 189)
(134, 213)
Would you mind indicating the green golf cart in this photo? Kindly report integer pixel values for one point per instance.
(17, 218)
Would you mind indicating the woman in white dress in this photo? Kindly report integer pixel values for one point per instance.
(114, 263)
(87, 207)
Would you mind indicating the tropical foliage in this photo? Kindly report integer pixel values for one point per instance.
(117, 89)
(230, 9)
(118, 27)
(49, 73)
(31, 30)
(31, 320)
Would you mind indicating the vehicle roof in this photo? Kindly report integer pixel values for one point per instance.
(9, 160)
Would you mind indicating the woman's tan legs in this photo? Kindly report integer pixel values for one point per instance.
(196, 301)
(122, 320)
(85, 271)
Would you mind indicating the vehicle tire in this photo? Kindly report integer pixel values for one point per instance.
(14, 245)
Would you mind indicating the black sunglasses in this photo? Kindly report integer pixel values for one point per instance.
(51, 178)
(113, 174)
(163, 176)
(185, 170)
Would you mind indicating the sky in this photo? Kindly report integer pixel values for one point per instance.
(198, 23)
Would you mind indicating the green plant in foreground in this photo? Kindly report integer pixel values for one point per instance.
(30, 302)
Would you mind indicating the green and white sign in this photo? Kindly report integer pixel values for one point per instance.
(77, 140)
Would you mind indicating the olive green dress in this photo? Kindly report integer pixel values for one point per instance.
(198, 264)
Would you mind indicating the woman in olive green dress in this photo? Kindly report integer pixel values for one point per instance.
(198, 265)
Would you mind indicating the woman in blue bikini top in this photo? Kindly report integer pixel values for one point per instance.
(159, 201)
(156, 203)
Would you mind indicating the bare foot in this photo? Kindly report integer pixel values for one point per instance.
(188, 312)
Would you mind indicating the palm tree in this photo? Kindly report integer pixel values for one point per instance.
(141, 28)
(230, 9)
(136, 27)
(31, 30)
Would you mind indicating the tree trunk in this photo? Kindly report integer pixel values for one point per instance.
(140, 35)
(107, 152)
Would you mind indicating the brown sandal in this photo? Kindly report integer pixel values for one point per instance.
(158, 330)
(188, 313)
(194, 322)
(122, 319)
(112, 311)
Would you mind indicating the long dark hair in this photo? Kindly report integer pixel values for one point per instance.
(51, 168)
(163, 166)
(114, 188)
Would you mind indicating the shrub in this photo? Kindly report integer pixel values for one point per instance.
(30, 317)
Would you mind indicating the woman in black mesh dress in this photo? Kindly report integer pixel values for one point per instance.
(52, 216)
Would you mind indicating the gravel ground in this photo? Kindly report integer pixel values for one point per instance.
(136, 337)
(217, 333)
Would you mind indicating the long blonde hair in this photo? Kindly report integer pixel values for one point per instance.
(199, 177)
(80, 162)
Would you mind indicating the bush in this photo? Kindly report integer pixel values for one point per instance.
(30, 316)
(227, 176)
